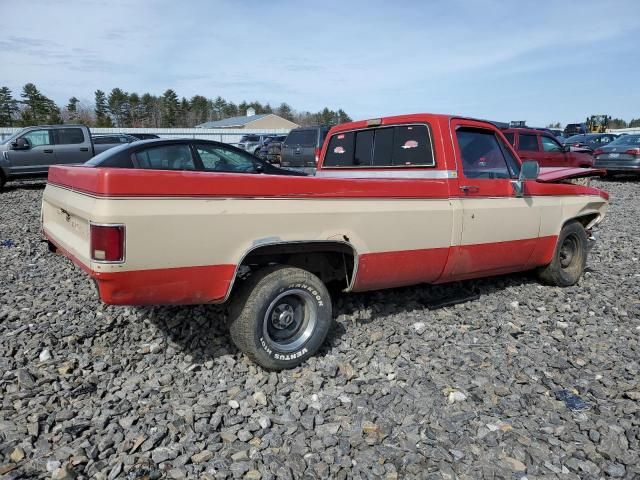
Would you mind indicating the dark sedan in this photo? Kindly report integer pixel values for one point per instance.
(185, 154)
(620, 156)
(590, 141)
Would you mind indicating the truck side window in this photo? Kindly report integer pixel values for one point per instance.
(510, 136)
(528, 142)
(549, 144)
(37, 138)
(481, 154)
(166, 157)
(69, 136)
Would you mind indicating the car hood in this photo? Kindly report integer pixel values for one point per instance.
(557, 174)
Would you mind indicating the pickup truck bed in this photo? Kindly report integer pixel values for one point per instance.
(186, 236)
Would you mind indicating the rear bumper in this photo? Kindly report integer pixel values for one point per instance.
(166, 286)
(624, 166)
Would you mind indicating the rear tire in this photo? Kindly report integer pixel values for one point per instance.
(2, 181)
(280, 316)
(569, 258)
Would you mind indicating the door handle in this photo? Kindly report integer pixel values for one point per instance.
(48, 151)
(84, 149)
(470, 189)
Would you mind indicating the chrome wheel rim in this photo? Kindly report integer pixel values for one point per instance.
(568, 251)
(290, 320)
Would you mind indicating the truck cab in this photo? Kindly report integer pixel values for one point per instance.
(30, 152)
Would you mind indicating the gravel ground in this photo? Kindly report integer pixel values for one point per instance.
(524, 381)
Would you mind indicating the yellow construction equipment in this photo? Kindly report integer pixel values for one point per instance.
(598, 123)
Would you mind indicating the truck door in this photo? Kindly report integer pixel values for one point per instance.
(529, 149)
(499, 230)
(35, 159)
(71, 146)
(552, 151)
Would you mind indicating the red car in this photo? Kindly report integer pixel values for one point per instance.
(544, 148)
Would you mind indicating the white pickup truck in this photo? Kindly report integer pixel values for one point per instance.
(396, 201)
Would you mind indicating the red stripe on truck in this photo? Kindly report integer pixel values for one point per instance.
(166, 286)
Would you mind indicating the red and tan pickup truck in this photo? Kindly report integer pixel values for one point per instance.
(396, 201)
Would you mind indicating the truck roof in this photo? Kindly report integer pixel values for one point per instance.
(408, 118)
(63, 125)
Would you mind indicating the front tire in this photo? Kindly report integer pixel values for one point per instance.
(569, 258)
(280, 317)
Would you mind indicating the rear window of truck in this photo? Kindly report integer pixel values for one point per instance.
(396, 146)
(304, 138)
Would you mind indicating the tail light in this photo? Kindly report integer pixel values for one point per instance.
(633, 151)
(317, 155)
(107, 243)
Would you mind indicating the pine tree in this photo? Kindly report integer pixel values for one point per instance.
(151, 112)
(200, 109)
(72, 109)
(183, 113)
(285, 111)
(170, 107)
(119, 107)
(230, 110)
(219, 109)
(343, 117)
(38, 108)
(102, 117)
(8, 107)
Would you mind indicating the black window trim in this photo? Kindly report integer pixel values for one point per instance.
(197, 162)
(434, 164)
(501, 145)
(201, 168)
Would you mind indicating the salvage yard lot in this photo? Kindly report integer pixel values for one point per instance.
(403, 389)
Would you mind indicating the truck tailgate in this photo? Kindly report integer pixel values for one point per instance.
(65, 221)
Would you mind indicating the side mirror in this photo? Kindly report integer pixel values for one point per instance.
(528, 171)
(259, 168)
(566, 148)
(20, 144)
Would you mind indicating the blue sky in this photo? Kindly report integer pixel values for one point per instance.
(543, 61)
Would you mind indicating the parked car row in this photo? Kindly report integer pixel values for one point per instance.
(31, 151)
(544, 148)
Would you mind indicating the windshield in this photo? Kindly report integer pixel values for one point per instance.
(12, 137)
(250, 138)
(627, 140)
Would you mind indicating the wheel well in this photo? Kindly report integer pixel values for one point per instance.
(330, 261)
(585, 220)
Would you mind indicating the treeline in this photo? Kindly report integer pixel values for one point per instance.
(123, 109)
(613, 123)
